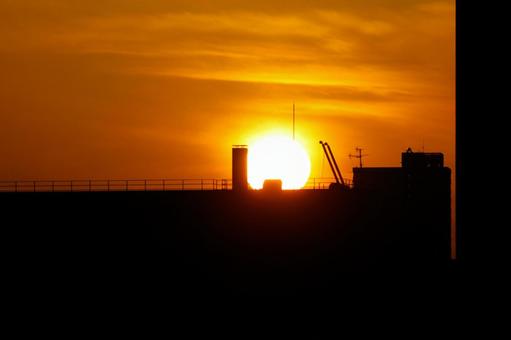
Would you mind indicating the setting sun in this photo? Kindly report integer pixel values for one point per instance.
(278, 157)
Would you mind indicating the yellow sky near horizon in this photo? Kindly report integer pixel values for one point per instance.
(162, 89)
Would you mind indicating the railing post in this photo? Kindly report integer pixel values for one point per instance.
(52, 186)
(182, 184)
(16, 186)
(127, 185)
(201, 184)
(163, 184)
(71, 185)
(90, 185)
(34, 186)
(108, 185)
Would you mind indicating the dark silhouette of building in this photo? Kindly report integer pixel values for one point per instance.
(394, 222)
(420, 160)
(422, 185)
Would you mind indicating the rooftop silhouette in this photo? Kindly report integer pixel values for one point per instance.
(392, 220)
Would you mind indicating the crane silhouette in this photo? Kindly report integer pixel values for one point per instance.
(333, 166)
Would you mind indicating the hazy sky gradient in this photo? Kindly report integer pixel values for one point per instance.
(162, 89)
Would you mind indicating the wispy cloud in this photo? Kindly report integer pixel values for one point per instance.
(146, 68)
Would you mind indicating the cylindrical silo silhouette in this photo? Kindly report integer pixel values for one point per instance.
(239, 168)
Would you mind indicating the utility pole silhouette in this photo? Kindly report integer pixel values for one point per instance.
(359, 155)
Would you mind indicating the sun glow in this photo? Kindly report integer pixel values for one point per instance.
(278, 157)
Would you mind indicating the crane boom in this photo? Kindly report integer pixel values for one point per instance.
(335, 163)
(329, 161)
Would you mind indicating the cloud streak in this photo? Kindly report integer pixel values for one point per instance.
(170, 76)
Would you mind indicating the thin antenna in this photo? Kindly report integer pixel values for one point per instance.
(293, 120)
(359, 156)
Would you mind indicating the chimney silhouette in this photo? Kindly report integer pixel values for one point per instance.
(239, 168)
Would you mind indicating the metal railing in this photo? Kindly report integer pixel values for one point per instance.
(136, 185)
(323, 183)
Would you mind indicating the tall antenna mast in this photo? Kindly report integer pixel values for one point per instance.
(293, 120)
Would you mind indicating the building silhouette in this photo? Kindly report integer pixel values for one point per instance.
(239, 168)
(393, 222)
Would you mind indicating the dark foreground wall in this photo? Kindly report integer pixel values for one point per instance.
(221, 241)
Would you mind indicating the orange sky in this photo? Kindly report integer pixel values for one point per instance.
(162, 89)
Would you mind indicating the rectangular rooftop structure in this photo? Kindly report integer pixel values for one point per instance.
(419, 172)
(417, 160)
(239, 168)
